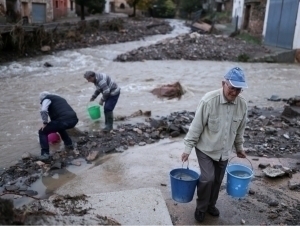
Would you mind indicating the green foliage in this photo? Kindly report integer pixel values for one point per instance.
(189, 6)
(164, 8)
(249, 38)
(94, 6)
(243, 57)
(223, 17)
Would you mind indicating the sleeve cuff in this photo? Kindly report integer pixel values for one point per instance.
(187, 150)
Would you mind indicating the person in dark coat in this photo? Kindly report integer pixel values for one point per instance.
(62, 117)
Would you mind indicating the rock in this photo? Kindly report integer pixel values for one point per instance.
(286, 136)
(40, 163)
(290, 112)
(263, 165)
(251, 192)
(138, 130)
(56, 165)
(294, 183)
(142, 143)
(76, 163)
(46, 64)
(26, 155)
(30, 192)
(271, 172)
(274, 98)
(12, 188)
(175, 134)
(273, 203)
(243, 221)
(92, 155)
(45, 48)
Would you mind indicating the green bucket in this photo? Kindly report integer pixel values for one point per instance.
(94, 111)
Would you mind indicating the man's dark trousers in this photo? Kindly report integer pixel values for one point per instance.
(53, 127)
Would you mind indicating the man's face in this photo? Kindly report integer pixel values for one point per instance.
(229, 91)
(91, 79)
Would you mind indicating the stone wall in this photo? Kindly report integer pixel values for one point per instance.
(257, 17)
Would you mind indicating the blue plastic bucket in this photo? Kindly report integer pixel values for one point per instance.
(238, 180)
(183, 184)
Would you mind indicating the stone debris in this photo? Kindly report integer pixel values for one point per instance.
(272, 172)
(196, 46)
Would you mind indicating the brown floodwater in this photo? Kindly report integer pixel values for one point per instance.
(22, 81)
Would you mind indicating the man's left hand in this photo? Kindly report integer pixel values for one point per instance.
(101, 102)
(241, 154)
(43, 126)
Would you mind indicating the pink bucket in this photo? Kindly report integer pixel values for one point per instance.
(53, 138)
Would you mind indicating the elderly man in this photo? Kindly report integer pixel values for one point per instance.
(110, 95)
(219, 124)
(62, 117)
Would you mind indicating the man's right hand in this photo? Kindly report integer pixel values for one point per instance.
(184, 157)
(92, 99)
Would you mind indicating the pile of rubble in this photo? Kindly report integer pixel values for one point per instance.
(196, 46)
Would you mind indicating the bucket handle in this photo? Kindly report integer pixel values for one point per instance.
(187, 164)
(91, 104)
(245, 158)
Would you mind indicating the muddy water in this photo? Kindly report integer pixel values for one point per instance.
(22, 81)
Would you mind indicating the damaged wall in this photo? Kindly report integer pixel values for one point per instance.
(16, 10)
(60, 9)
(254, 24)
(48, 6)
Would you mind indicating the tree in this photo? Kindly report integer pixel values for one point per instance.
(140, 4)
(191, 6)
(93, 6)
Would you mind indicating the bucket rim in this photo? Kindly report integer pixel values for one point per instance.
(198, 174)
(251, 175)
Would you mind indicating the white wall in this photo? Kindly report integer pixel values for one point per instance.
(266, 18)
(296, 44)
(107, 6)
(237, 10)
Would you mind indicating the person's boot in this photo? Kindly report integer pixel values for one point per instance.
(109, 120)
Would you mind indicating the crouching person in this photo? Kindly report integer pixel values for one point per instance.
(110, 95)
(62, 117)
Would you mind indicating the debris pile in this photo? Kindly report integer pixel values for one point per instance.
(195, 46)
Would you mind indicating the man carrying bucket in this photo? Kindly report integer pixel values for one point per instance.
(110, 95)
(62, 117)
(219, 124)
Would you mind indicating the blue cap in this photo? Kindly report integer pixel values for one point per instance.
(236, 78)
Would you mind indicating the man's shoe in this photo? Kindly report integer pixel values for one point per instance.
(69, 147)
(44, 157)
(199, 216)
(212, 210)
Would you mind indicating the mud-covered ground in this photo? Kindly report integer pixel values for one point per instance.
(268, 134)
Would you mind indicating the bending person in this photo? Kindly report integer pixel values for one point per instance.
(62, 117)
